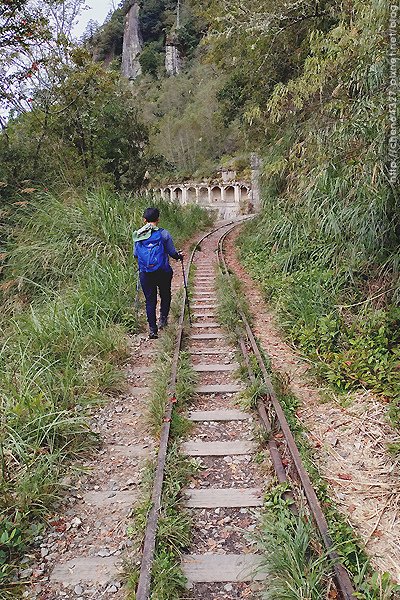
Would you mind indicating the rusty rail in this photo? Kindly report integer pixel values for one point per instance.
(149, 544)
(343, 582)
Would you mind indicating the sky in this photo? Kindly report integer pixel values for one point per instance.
(97, 11)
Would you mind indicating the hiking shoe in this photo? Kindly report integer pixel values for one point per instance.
(153, 335)
(163, 322)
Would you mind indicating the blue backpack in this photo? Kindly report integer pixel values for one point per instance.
(151, 253)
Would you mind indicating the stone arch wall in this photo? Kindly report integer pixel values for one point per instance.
(229, 194)
(191, 194)
(177, 194)
(216, 194)
(204, 197)
(245, 195)
(230, 199)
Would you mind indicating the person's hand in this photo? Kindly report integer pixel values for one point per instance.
(181, 255)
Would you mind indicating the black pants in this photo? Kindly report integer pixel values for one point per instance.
(150, 282)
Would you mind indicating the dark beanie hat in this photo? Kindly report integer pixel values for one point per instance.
(151, 214)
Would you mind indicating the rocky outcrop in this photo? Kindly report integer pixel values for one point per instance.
(173, 61)
(132, 45)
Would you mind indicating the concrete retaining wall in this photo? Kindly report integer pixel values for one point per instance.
(229, 199)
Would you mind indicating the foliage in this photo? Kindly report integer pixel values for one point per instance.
(17, 24)
(231, 305)
(304, 84)
(190, 32)
(22, 27)
(184, 123)
(350, 346)
(37, 38)
(326, 250)
(90, 132)
(187, 133)
(107, 40)
(156, 17)
(151, 59)
(258, 46)
(296, 569)
(67, 306)
(157, 21)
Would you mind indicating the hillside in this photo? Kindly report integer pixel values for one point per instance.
(305, 88)
(168, 91)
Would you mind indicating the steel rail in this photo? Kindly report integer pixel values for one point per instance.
(343, 582)
(272, 446)
(149, 544)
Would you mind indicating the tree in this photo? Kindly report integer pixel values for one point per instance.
(107, 41)
(22, 27)
(151, 59)
(92, 133)
(35, 40)
(151, 19)
(123, 142)
(259, 45)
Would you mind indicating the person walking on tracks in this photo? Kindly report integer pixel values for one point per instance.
(153, 246)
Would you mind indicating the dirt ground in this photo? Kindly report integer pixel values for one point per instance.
(82, 553)
(350, 443)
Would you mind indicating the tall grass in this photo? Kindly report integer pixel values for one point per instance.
(68, 304)
(291, 557)
(337, 305)
(326, 248)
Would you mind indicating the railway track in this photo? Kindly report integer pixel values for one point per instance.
(227, 492)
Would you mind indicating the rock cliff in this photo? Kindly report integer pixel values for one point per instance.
(132, 45)
(173, 59)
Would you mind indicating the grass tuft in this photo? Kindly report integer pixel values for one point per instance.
(291, 556)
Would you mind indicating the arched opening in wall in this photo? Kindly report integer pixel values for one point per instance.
(177, 194)
(203, 196)
(216, 195)
(191, 195)
(246, 205)
(167, 194)
(230, 194)
(244, 193)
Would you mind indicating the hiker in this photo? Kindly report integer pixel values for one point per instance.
(153, 246)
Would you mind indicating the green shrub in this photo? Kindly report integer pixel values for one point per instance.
(351, 347)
